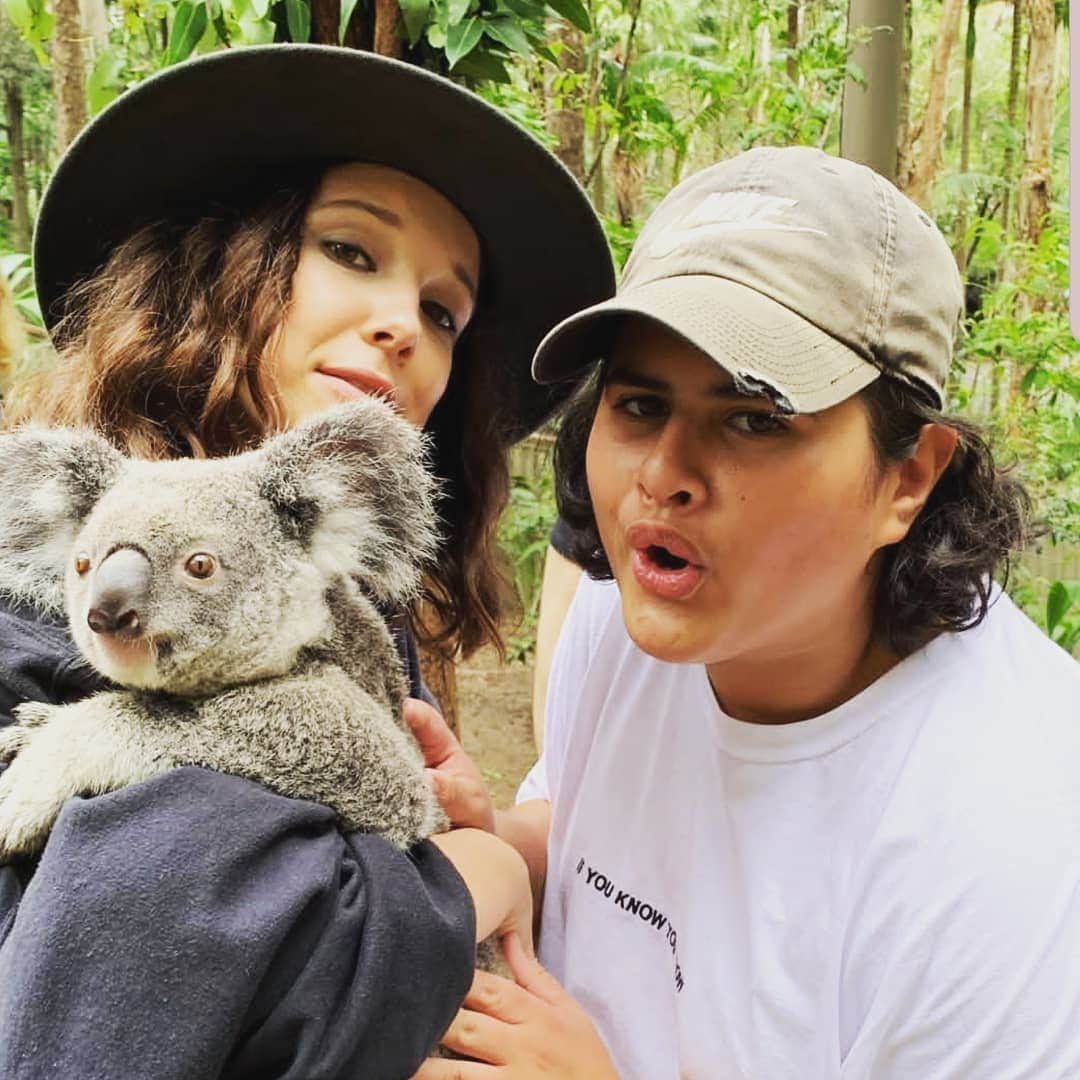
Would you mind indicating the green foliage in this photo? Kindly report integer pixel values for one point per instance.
(18, 272)
(1054, 606)
(34, 21)
(523, 534)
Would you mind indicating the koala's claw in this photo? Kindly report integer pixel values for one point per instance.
(12, 740)
(24, 822)
(32, 714)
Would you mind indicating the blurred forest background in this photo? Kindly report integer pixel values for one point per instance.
(635, 94)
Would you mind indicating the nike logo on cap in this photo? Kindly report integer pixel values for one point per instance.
(726, 212)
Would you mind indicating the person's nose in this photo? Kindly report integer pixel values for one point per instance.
(393, 324)
(670, 476)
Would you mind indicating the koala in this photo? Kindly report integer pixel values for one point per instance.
(233, 602)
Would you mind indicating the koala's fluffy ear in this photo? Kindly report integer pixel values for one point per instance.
(50, 479)
(352, 483)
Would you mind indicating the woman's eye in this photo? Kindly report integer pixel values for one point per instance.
(757, 422)
(439, 315)
(348, 254)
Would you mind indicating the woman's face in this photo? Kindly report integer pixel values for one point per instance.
(384, 287)
(733, 532)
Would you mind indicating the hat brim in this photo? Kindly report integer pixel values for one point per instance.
(765, 346)
(208, 128)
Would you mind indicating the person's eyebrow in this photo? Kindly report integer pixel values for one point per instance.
(463, 276)
(628, 376)
(383, 213)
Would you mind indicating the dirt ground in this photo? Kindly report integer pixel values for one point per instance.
(495, 716)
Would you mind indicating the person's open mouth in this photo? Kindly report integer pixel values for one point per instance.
(664, 562)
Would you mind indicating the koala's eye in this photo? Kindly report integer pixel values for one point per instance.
(82, 564)
(200, 565)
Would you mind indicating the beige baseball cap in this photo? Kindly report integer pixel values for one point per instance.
(804, 275)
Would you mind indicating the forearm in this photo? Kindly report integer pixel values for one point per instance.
(525, 828)
(496, 877)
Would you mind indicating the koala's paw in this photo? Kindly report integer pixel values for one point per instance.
(12, 740)
(32, 714)
(38, 781)
(18, 735)
(24, 822)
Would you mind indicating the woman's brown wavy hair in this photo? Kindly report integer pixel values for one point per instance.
(162, 352)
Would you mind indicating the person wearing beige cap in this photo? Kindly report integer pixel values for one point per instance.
(808, 801)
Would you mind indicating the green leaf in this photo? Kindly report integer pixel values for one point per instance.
(572, 10)
(103, 82)
(347, 8)
(507, 32)
(414, 15)
(527, 9)
(483, 66)
(462, 39)
(298, 19)
(188, 25)
(1057, 604)
(260, 7)
(436, 36)
(256, 31)
(20, 13)
(456, 10)
(35, 23)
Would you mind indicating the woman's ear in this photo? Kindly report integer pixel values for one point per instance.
(910, 482)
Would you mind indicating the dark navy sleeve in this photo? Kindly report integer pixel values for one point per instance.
(197, 926)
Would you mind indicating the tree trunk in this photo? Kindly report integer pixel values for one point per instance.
(386, 41)
(626, 177)
(325, 16)
(903, 102)
(20, 193)
(932, 128)
(566, 120)
(793, 40)
(1033, 203)
(761, 61)
(960, 244)
(1009, 160)
(95, 24)
(68, 72)
(868, 121)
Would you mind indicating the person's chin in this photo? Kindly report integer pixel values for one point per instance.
(675, 631)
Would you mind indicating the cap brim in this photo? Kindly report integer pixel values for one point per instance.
(208, 128)
(765, 346)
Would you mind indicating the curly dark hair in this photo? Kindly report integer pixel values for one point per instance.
(162, 352)
(937, 578)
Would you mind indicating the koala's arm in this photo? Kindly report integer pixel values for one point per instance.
(199, 926)
(59, 751)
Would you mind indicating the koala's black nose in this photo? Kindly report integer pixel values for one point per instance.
(119, 593)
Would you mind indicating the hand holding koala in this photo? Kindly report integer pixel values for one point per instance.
(234, 601)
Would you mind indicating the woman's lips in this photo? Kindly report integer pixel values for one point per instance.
(664, 562)
(352, 383)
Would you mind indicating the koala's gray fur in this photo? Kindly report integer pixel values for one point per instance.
(277, 667)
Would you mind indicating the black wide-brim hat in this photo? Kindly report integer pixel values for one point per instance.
(210, 128)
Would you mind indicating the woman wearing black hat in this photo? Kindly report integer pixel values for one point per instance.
(236, 244)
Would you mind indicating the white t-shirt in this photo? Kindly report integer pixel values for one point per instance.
(889, 890)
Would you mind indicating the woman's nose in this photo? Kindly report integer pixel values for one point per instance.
(394, 327)
(671, 473)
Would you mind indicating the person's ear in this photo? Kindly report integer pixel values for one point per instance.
(912, 480)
